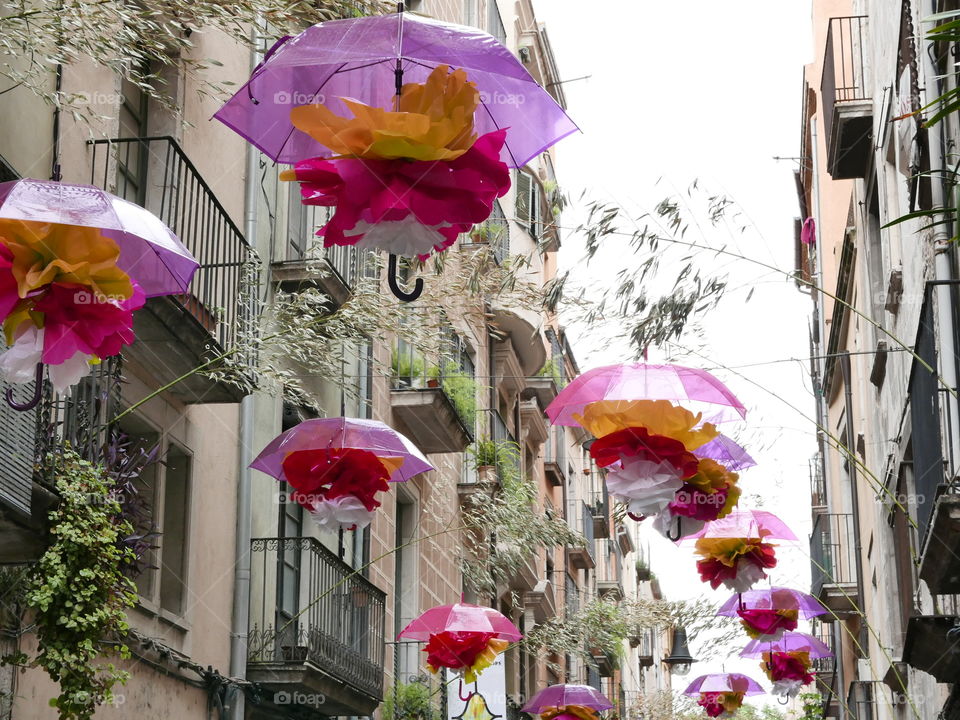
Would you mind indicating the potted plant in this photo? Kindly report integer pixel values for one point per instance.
(407, 367)
(643, 570)
(462, 391)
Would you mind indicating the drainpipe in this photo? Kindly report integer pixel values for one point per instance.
(944, 261)
(241, 584)
(818, 319)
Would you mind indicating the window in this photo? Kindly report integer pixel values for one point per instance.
(132, 158)
(529, 205)
(165, 489)
(406, 582)
(495, 22)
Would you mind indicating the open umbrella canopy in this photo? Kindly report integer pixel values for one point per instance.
(461, 618)
(774, 598)
(358, 58)
(696, 390)
(790, 642)
(724, 682)
(558, 696)
(726, 452)
(149, 251)
(757, 524)
(344, 433)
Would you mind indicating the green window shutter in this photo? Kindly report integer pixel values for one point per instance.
(524, 182)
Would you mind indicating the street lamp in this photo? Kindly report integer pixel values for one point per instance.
(679, 658)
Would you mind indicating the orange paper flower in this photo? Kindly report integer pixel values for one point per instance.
(659, 417)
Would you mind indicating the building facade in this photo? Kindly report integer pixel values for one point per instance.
(883, 356)
(252, 611)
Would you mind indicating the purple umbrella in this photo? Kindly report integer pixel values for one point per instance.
(724, 682)
(790, 642)
(365, 58)
(149, 251)
(726, 452)
(775, 598)
(758, 524)
(696, 390)
(371, 435)
(558, 696)
(461, 618)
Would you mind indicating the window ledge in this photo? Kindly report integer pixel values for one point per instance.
(149, 609)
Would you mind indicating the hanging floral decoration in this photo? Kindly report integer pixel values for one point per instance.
(735, 563)
(720, 704)
(469, 652)
(569, 712)
(63, 300)
(408, 181)
(766, 623)
(787, 670)
(338, 486)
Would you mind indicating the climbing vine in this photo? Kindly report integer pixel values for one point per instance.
(79, 591)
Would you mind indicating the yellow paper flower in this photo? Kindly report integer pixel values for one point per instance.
(731, 701)
(46, 252)
(659, 417)
(433, 121)
(584, 713)
(725, 550)
(485, 659)
(712, 477)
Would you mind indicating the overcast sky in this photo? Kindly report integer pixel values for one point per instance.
(710, 91)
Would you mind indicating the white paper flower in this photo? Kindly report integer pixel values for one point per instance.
(646, 487)
(70, 372)
(789, 688)
(18, 364)
(345, 511)
(666, 524)
(406, 237)
(748, 575)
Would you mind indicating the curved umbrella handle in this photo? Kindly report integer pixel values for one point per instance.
(395, 288)
(37, 393)
(638, 518)
(460, 692)
(676, 537)
(266, 56)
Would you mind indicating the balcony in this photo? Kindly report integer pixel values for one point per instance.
(580, 519)
(434, 397)
(833, 564)
(644, 642)
(930, 645)
(818, 487)
(520, 351)
(535, 428)
(940, 561)
(542, 601)
(601, 516)
(555, 457)
(846, 96)
(334, 272)
(610, 590)
(493, 234)
(316, 629)
(176, 334)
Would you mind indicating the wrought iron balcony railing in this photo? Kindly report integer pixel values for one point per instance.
(307, 605)
(832, 552)
(846, 96)
(156, 173)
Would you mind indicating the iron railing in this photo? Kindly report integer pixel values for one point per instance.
(844, 77)
(555, 448)
(321, 612)
(818, 486)
(832, 551)
(494, 232)
(156, 173)
(824, 633)
(580, 519)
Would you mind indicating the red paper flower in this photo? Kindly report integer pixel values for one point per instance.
(448, 197)
(788, 666)
(764, 621)
(8, 283)
(717, 704)
(332, 473)
(636, 442)
(725, 560)
(456, 650)
(74, 319)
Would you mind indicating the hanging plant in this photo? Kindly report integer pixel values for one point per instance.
(79, 590)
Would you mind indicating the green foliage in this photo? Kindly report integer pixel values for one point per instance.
(812, 705)
(752, 712)
(78, 589)
(490, 453)
(552, 368)
(462, 391)
(410, 366)
(409, 701)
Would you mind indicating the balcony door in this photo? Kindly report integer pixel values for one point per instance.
(289, 571)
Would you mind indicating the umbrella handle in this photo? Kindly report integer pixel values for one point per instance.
(638, 518)
(460, 692)
(395, 288)
(783, 700)
(37, 393)
(676, 537)
(740, 601)
(266, 56)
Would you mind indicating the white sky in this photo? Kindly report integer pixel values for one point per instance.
(705, 90)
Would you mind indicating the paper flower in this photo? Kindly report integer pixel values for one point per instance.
(569, 712)
(638, 443)
(659, 417)
(646, 486)
(736, 563)
(788, 671)
(433, 121)
(337, 485)
(447, 198)
(721, 704)
(766, 623)
(45, 253)
(469, 652)
(710, 494)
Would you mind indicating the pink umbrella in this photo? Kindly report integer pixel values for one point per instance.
(724, 682)
(458, 618)
(790, 642)
(774, 598)
(354, 433)
(695, 390)
(726, 452)
(558, 696)
(758, 524)
(149, 251)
